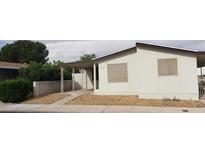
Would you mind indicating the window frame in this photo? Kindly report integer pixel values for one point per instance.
(167, 61)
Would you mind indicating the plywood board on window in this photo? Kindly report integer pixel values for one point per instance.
(117, 72)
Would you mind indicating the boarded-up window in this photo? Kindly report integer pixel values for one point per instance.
(117, 72)
(167, 66)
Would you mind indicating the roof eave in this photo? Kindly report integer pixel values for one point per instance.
(166, 47)
(111, 54)
(14, 68)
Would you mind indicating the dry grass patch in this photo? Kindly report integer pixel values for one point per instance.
(48, 99)
(131, 100)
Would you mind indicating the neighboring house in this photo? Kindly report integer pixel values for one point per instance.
(146, 70)
(10, 70)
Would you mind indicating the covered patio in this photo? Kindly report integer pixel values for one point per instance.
(85, 79)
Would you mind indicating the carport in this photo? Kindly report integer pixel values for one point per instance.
(83, 67)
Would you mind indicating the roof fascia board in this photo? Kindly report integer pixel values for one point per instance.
(166, 47)
(112, 54)
(14, 68)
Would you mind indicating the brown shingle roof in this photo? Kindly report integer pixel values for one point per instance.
(10, 65)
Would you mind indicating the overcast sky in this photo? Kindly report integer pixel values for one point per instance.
(71, 50)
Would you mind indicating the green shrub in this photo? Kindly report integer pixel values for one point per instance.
(44, 72)
(15, 90)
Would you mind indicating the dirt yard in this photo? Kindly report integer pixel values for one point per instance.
(48, 99)
(89, 99)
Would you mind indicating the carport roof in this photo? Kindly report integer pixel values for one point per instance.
(80, 64)
(11, 65)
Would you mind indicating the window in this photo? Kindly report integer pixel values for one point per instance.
(117, 72)
(167, 66)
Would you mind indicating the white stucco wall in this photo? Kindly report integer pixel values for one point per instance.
(84, 80)
(119, 88)
(88, 79)
(143, 79)
(78, 81)
(151, 85)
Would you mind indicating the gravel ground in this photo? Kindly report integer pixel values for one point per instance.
(131, 100)
(48, 99)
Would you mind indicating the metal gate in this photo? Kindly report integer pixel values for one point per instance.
(201, 89)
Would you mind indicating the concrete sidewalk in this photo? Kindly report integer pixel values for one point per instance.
(118, 109)
(29, 108)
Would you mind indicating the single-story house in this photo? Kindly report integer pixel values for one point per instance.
(146, 70)
(10, 70)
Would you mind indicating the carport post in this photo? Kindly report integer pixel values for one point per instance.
(73, 79)
(201, 73)
(94, 76)
(62, 80)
